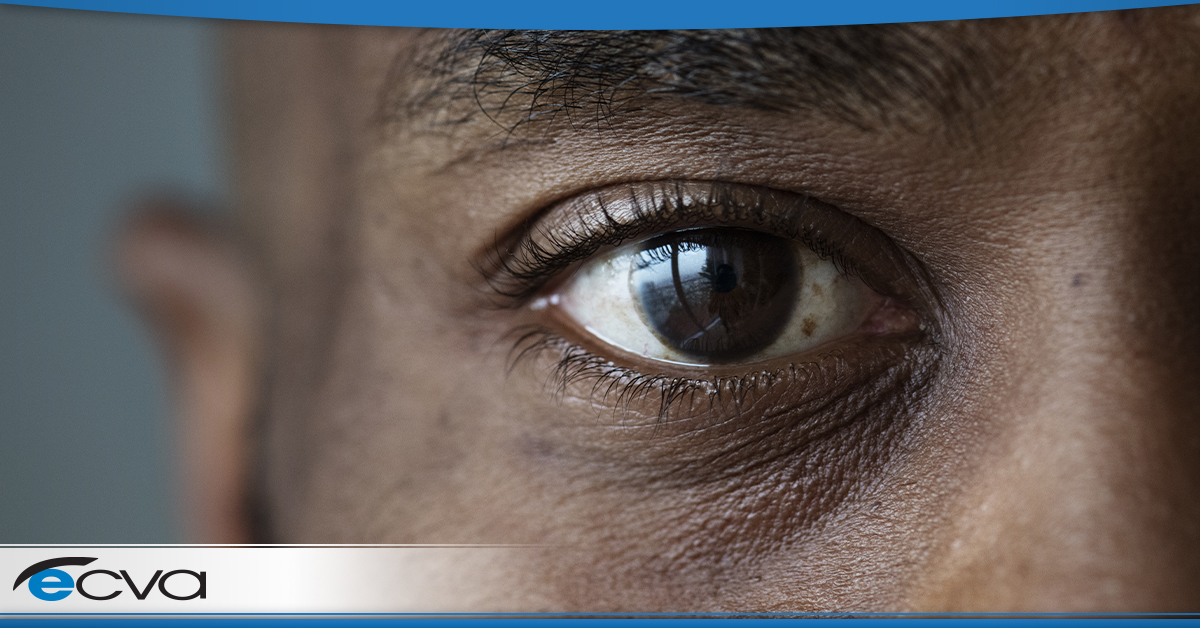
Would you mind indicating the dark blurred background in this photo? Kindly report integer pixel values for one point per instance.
(96, 111)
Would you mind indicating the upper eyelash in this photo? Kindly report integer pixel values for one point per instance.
(517, 268)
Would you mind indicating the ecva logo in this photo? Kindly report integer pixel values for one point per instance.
(48, 582)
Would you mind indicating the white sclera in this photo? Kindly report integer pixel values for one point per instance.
(598, 297)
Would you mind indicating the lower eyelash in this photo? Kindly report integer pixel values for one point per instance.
(621, 388)
(577, 365)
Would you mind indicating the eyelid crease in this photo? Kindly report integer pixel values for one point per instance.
(520, 265)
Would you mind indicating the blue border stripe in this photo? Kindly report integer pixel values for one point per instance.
(610, 14)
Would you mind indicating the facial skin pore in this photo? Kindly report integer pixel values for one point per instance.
(1035, 449)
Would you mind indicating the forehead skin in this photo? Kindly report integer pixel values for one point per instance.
(1048, 464)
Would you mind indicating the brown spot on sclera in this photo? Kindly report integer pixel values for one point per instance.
(817, 289)
(809, 326)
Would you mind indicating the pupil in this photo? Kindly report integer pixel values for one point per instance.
(715, 293)
(725, 279)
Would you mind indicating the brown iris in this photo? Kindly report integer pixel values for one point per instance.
(716, 293)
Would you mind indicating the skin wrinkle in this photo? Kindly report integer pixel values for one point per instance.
(1038, 455)
(817, 496)
(735, 531)
(779, 404)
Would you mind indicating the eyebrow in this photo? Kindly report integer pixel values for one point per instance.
(862, 75)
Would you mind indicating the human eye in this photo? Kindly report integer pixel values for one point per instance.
(674, 288)
(721, 295)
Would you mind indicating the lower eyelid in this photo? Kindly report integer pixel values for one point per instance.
(651, 426)
(771, 461)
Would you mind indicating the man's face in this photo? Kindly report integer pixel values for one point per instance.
(865, 318)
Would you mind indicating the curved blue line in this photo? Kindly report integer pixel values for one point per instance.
(613, 14)
(50, 564)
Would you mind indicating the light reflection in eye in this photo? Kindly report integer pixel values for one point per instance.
(715, 296)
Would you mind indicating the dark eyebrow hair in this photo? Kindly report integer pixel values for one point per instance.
(862, 75)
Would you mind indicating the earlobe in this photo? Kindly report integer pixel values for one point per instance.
(186, 277)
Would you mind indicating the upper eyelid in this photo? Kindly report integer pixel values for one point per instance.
(521, 263)
(578, 227)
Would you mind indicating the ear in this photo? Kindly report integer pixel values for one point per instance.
(187, 279)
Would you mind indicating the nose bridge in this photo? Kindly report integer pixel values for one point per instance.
(1109, 391)
(1116, 285)
(1089, 498)
(1107, 422)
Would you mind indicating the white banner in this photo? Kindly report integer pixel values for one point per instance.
(249, 579)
